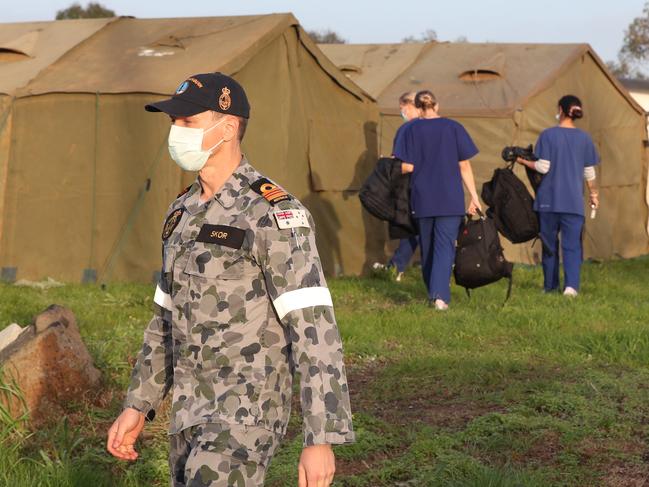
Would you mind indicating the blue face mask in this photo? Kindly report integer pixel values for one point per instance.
(403, 115)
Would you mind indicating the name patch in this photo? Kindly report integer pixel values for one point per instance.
(270, 191)
(172, 222)
(221, 234)
(291, 218)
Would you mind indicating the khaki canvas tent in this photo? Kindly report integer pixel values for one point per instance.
(507, 94)
(85, 176)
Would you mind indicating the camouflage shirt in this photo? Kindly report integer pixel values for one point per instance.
(241, 305)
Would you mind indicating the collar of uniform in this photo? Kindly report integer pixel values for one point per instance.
(232, 188)
(192, 202)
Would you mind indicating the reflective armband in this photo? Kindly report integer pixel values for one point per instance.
(302, 298)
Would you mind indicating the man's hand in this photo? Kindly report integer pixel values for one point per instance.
(317, 466)
(123, 433)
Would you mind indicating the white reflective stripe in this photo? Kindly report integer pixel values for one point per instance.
(302, 298)
(589, 173)
(542, 166)
(163, 299)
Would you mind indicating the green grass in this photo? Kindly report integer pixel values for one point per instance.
(541, 391)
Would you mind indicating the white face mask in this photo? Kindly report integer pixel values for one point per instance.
(403, 115)
(186, 146)
(558, 116)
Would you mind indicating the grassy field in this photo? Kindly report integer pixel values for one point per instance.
(544, 391)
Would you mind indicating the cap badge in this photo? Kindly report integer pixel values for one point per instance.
(224, 100)
(182, 88)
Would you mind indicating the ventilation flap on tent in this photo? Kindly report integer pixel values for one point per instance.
(350, 69)
(20, 49)
(485, 69)
(480, 75)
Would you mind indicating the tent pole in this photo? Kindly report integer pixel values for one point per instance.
(4, 172)
(90, 273)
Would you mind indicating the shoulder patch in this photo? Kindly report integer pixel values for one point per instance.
(291, 218)
(172, 222)
(270, 191)
(184, 191)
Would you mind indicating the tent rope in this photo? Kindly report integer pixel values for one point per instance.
(128, 225)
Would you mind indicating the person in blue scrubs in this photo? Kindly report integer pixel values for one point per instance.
(437, 151)
(567, 157)
(407, 246)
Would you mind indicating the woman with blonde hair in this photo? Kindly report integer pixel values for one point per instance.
(437, 151)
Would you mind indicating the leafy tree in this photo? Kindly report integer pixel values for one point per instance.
(326, 36)
(428, 36)
(91, 11)
(635, 50)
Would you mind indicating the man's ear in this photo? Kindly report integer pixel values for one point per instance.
(231, 129)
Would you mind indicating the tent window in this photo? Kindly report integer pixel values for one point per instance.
(480, 75)
(11, 55)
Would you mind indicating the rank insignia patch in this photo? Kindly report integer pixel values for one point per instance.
(270, 191)
(221, 234)
(172, 222)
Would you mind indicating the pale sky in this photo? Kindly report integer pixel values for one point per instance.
(600, 23)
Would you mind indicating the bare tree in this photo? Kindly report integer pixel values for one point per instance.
(428, 36)
(91, 11)
(326, 36)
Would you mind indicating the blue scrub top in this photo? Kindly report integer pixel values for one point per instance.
(569, 151)
(435, 146)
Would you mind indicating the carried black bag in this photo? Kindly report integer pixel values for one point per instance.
(386, 195)
(479, 258)
(511, 205)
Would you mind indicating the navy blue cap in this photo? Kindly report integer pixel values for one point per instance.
(202, 92)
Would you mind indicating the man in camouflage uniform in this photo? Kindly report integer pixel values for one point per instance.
(240, 306)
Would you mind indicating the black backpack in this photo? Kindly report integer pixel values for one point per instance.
(511, 206)
(479, 258)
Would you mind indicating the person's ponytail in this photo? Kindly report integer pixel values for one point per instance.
(571, 107)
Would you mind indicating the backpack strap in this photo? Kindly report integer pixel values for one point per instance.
(509, 287)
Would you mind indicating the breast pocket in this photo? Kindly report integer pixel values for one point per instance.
(219, 280)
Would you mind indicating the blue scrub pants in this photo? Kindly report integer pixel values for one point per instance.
(569, 226)
(404, 253)
(437, 236)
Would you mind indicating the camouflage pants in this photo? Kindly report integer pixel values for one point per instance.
(221, 455)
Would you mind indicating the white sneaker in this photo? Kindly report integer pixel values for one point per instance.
(440, 305)
(399, 276)
(378, 266)
(570, 292)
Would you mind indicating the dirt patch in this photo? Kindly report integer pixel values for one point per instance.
(432, 406)
(627, 476)
(543, 452)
